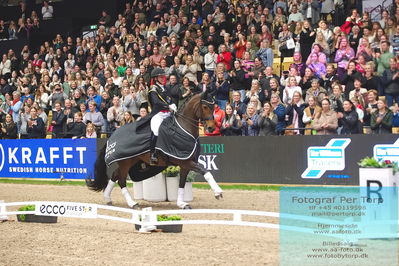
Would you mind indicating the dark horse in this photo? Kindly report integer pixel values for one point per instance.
(198, 108)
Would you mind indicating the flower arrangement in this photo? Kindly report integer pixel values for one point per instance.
(370, 162)
(22, 217)
(171, 171)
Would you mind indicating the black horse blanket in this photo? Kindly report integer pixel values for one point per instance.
(134, 139)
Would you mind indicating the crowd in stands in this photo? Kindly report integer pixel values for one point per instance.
(342, 77)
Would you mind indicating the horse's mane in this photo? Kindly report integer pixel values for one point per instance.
(189, 98)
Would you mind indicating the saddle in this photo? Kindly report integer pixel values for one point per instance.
(134, 139)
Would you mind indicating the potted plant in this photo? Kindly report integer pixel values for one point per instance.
(170, 228)
(172, 183)
(382, 174)
(33, 218)
(384, 171)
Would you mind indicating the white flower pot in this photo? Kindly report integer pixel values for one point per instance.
(375, 178)
(138, 190)
(172, 186)
(383, 175)
(154, 188)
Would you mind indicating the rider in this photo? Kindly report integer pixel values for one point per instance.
(161, 106)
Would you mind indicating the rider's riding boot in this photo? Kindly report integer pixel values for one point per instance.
(153, 158)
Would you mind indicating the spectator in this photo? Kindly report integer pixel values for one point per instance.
(190, 69)
(267, 121)
(231, 124)
(349, 120)
(76, 129)
(250, 122)
(383, 57)
(36, 128)
(127, 118)
(358, 92)
(4, 109)
(58, 121)
(349, 77)
(311, 11)
(326, 122)
(224, 57)
(337, 98)
(285, 38)
(94, 117)
(306, 39)
(370, 107)
(315, 90)
(91, 131)
(318, 68)
(222, 87)
(238, 80)
(12, 31)
(143, 113)
(210, 60)
(239, 107)
(370, 80)
(290, 89)
(218, 115)
(309, 114)
(105, 19)
(390, 82)
(329, 78)
(115, 114)
(57, 96)
(9, 128)
(265, 53)
(343, 55)
(47, 10)
(395, 115)
(294, 114)
(381, 119)
(42, 98)
(5, 67)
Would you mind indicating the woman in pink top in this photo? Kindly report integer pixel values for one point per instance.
(343, 55)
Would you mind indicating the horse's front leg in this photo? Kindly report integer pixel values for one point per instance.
(209, 178)
(180, 192)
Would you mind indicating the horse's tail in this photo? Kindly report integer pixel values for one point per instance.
(100, 173)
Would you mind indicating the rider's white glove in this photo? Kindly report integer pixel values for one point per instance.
(173, 108)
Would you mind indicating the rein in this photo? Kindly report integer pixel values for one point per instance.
(192, 121)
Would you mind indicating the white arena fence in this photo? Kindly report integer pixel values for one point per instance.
(147, 218)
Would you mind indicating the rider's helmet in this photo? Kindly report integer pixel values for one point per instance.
(157, 72)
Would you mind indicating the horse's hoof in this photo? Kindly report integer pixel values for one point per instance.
(187, 207)
(136, 207)
(219, 196)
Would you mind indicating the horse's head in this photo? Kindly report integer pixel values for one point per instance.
(207, 106)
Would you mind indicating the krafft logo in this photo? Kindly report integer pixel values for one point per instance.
(328, 158)
(209, 155)
(45, 158)
(66, 209)
(2, 159)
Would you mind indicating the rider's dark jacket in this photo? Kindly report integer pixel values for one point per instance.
(159, 99)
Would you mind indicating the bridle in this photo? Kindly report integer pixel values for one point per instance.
(211, 106)
(194, 122)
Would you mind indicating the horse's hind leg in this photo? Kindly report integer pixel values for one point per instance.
(122, 175)
(110, 187)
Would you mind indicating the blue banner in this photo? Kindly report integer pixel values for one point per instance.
(48, 158)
